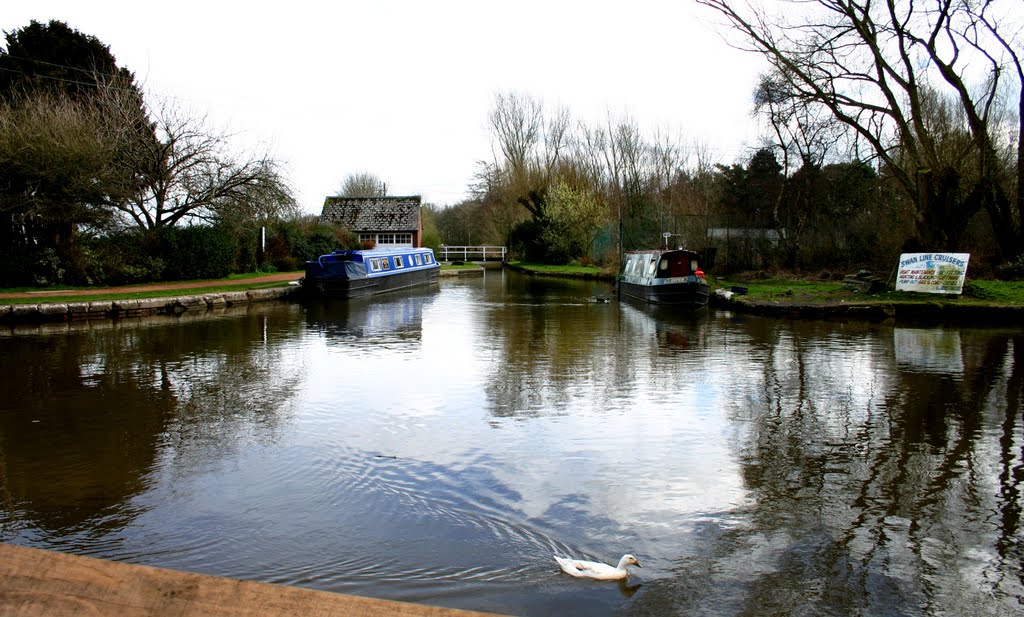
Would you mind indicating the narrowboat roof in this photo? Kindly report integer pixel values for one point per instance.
(377, 252)
(660, 251)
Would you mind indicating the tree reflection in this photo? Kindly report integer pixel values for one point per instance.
(878, 485)
(88, 413)
(875, 485)
(564, 350)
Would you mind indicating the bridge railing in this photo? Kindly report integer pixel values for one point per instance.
(472, 253)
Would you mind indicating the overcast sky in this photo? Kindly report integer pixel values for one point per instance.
(402, 89)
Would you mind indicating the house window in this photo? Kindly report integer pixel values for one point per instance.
(385, 239)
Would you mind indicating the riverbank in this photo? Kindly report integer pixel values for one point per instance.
(568, 271)
(37, 583)
(983, 302)
(937, 311)
(174, 298)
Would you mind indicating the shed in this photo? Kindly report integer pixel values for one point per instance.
(384, 221)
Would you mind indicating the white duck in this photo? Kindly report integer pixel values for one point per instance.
(593, 569)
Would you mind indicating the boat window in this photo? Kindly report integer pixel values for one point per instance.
(428, 259)
(693, 265)
(653, 265)
(398, 261)
(384, 264)
(375, 264)
(663, 265)
(419, 259)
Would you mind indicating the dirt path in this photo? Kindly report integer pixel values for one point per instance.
(266, 278)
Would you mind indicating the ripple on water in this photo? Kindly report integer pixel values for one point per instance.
(386, 515)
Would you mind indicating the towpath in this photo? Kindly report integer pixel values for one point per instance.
(97, 291)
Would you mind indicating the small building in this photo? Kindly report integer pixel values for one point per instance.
(385, 221)
(746, 234)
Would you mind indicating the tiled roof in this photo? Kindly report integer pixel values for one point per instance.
(373, 213)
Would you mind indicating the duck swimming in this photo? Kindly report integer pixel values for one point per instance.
(596, 570)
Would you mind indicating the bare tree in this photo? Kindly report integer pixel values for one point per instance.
(872, 64)
(531, 146)
(363, 184)
(517, 123)
(188, 173)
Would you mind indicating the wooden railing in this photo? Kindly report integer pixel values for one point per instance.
(471, 253)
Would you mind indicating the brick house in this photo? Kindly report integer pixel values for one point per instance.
(385, 221)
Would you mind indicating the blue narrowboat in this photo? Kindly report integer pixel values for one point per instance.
(666, 277)
(351, 274)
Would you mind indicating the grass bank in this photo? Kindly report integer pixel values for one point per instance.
(983, 303)
(235, 282)
(799, 291)
(567, 271)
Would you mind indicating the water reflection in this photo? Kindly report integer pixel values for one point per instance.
(879, 499)
(440, 447)
(390, 321)
(929, 350)
(92, 411)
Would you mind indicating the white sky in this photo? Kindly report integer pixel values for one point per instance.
(402, 89)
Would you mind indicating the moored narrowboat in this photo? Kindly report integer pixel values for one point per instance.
(351, 274)
(666, 277)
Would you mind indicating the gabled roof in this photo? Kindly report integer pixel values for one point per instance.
(373, 213)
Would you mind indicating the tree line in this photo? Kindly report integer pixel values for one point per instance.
(889, 126)
(99, 185)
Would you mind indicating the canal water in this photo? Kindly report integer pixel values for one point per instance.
(441, 446)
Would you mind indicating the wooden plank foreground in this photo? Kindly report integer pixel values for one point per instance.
(37, 583)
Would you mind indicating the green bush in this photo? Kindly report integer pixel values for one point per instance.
(526, 242)
(321, 240)
(287, 264)
(197, 252)
(172, 253)
(124, 259)
(1012, 270)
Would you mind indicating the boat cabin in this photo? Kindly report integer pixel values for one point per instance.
(671, 277)
(661, 264)
(379, 262)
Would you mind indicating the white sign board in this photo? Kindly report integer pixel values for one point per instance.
(938, 273)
